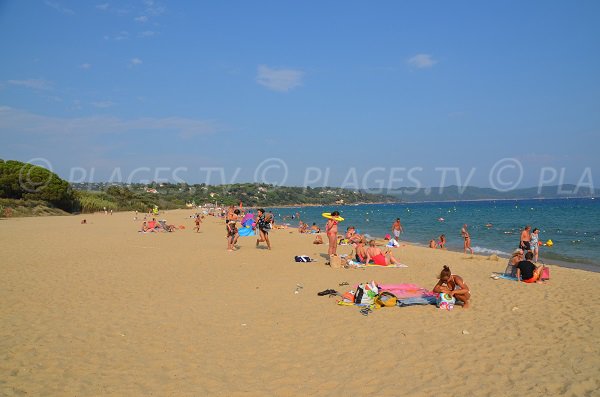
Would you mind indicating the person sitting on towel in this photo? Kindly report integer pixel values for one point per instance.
(527, 271)
(378, 257)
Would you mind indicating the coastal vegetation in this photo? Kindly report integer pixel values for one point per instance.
(27, 189)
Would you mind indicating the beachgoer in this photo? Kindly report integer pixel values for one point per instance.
(318, 239)
(454, 285)
(331, 228)
(303, 227)
(315, 228)
(528, 272)
(397, 229)
(442, 242)
(351, 236)
(197, 221)
(361, 251)
(146, 229)
(432, 244)
(378, 257)
(525, 243)
(232, 231)
(511, 267)
(535, 243)
(264, 225)
(465, 234)
(525, 239)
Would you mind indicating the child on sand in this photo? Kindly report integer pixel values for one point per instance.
(442, 242)
(454, 285)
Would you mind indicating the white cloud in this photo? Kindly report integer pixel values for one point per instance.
(154, 8)
(36, 84)
(147, 33)
(422, 61)
(103, 7)
(141, 19)
(281, 80)
(134, 62)
(59, 8)
(85, 66)
(20, 121)
(103, 104)
(122, 35)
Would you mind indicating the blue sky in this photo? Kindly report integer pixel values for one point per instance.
(98, 90)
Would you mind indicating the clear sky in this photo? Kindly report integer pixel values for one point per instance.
(330, 89)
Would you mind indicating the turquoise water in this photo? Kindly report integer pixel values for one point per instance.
(572, 224)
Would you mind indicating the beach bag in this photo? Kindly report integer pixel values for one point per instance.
(335, 262)
(386, 299)
(545, 273)
(445, 301)
(366, 293)
(303, 258)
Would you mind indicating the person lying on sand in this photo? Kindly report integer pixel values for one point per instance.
(453, 285)
(528, 272)
(378, 257)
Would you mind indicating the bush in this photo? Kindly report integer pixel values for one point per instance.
(30, 182)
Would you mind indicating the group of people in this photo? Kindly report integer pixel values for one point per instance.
(522, 263)
(155, 226)
(263, 222)
(441, 243)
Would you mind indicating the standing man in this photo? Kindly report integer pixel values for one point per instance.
(525, 243)
(465, 234)
(397, 229)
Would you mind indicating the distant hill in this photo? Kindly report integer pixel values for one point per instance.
(250, 194)
(457, 193)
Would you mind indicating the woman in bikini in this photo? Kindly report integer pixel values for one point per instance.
(331, 228)
(454, 285)
(264, 225)
(378, 257)
(465, 233)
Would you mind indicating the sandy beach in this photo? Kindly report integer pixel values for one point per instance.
(102, 310)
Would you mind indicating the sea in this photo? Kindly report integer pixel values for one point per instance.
(573, 225)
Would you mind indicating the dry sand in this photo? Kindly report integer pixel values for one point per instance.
(101, 310)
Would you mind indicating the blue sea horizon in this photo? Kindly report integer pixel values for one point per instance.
(572, 224)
